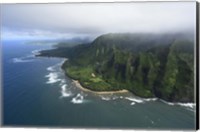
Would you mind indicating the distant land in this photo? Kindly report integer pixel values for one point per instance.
(148, 65)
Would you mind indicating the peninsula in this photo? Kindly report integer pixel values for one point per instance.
(148, 65)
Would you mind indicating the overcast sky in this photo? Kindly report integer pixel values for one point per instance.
(54, 21)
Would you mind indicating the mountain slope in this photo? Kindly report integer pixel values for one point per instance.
(148, 65)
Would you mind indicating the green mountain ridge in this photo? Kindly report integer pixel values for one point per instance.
(148, 65)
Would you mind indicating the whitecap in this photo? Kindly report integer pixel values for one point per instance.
(189, 105)
(121, 97)
(115, 97)
(108, 97)
(132, 103)
(169, 103)
(65, 92)
(27, 58)
(36, 52)
(52, 78)
(150, 99)
(64, 87)
(54, 67)
(62, 82)
(134, 99)
(20, 60)
(51, 68)
(105, 98)
(137, 100)
(78, 99)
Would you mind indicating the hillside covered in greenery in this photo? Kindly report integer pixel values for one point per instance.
(148, 65)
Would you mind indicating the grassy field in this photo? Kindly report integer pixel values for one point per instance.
(88, 78)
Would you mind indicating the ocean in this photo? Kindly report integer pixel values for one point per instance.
(36, 93)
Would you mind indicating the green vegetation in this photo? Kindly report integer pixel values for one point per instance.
(147, 65)
(87, 77)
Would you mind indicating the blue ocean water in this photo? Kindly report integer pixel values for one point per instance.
(37, 93)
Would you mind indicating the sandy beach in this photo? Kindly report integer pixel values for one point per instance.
(76, 82)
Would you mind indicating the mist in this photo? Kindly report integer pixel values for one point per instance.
(65, 21)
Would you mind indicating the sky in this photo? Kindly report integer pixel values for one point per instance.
(66, 21)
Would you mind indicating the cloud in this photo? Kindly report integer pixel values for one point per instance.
(9, 34)
(62, 20)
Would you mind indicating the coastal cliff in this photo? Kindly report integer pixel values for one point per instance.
(148, 65)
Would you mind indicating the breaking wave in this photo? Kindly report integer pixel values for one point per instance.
(36, 52)
(65, 92)
(169, 103)
(20, 60)
(110, 97)
(150, 99)
(189, 106)
(28, 58)
(134, 99)
(51, 68)
(52, 78)
(79, 99)
(132, 103)
(105, 98)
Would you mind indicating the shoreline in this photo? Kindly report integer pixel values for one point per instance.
(78, 85)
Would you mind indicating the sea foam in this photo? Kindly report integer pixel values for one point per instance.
(105, 98)
(134, 99)
(36, 52)
(52, 78)
(150, 99)
(132, 103)
(28, 58)
(20, 60)
(169, 103)
(110, 97)
(51, 68)
(190, 106)
(78, 99)
(65, 92)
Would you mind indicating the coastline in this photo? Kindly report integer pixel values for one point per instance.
(78, 85)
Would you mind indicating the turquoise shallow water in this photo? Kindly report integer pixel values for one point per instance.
(36, 93)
